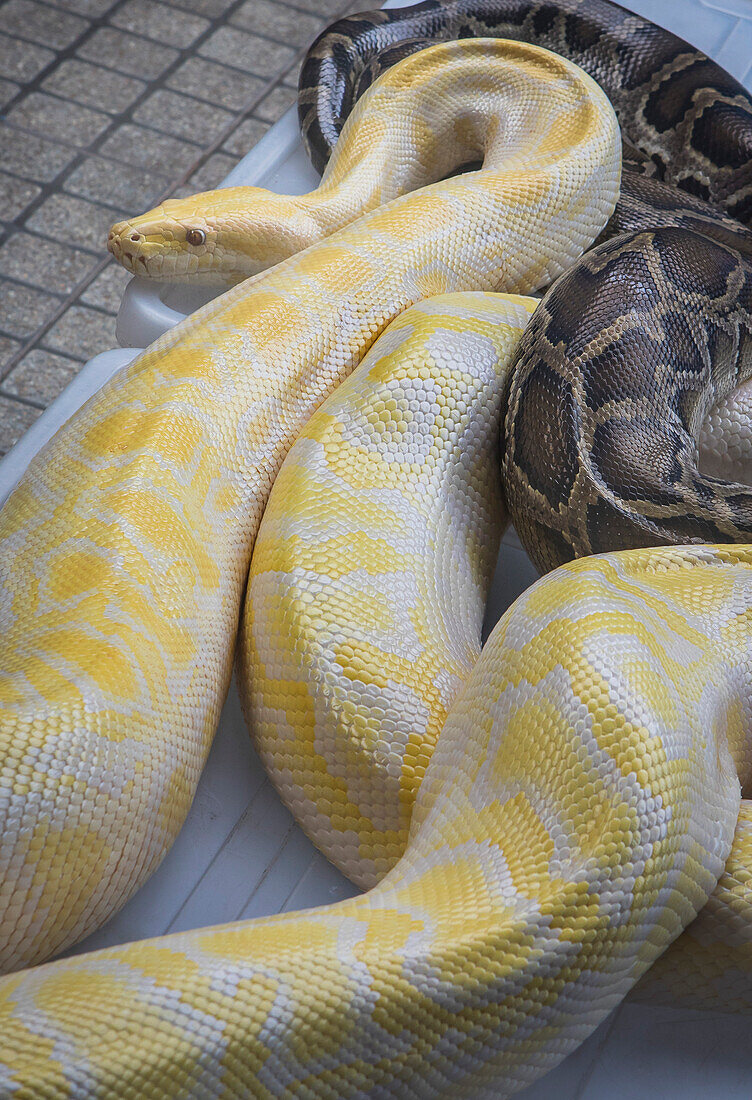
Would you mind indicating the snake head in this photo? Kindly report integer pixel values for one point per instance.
(220, 236)
(167, 243)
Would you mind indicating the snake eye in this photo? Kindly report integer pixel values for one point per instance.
(195, 236)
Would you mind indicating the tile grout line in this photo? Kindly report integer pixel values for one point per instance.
(55, 185)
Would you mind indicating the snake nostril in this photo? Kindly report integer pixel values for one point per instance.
(135, 237)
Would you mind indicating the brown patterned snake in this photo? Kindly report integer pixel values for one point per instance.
(574, 815)
(686, 121)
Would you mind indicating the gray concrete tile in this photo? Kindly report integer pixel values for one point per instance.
(278, 21)
(31, 156)
(44, 263)
(57, 118)
(136, 145)
(183, 191)
(211, 174)
(15, 195)
(274, 105)
(160, 22)
(183, 117)
(246, 51)
(216, 83)
(7, 91)
(76, 221)
(212, 9)
(40, 23)
(15, 418)
(8, 348)
(128, 186)
(331, 9)
(82, 332)
(41, 376)
(23, 310)
(106, 291)
(245, 136)
(20, 60)
(93, 9)
(134, 56)
(94, 86)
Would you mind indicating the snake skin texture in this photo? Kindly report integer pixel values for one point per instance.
(370, 576)
(576, 813)
(685, 119)
(125, 546)
(613, 381)
(676, 107)
(421, 121)
(709, 965)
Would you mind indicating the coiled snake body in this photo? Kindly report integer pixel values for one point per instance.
(581, 800)
(573, 817)
(677, 108)
(685, 120)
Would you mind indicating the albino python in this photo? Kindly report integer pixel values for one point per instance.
(576, 812)
(421, 121)
(125, 547)
(685, 120)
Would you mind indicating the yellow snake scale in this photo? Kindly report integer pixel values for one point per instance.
(574, 816)
(581, 800)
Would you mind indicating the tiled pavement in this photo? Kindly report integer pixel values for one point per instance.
(108, 107)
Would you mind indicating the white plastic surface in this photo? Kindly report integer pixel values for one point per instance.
(241, 855)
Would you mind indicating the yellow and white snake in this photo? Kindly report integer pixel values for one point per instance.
(582, 797)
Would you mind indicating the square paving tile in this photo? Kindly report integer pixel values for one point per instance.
(211, 174)
(41, 376)
(91, 8)
(15, 195)
(76, 221)
(183, 116)
(44, 263)
(331, 9)
(139, 145)
(15, 419)
(24, 310)
(256, 55)
(40, 23)
(8, 349)
(120, 110)
(106, 291)
(244, 137)
(20, 60)
(94, 86)
(278, 21)
(131, 55)
(207, 80)
(82, 332)
(126, 185)
(212, 9)
(7, 91)
(162, 22)
(31, 156)
(274, 105)
(53, 117)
